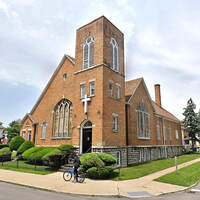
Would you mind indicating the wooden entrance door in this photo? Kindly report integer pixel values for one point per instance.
(87, 140)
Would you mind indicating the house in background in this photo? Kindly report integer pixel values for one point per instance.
(87, 103)
(1, 130)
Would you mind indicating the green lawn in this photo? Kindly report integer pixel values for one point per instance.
(141, 170)
(25, 167)
(186, 176)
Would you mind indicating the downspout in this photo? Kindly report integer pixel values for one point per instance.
(127, 118)
(164, 138)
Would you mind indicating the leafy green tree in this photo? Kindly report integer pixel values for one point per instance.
(191, 122)
(13, 129)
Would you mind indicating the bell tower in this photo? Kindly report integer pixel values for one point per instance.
(99, 57)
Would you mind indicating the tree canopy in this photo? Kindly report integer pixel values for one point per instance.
(192, 121)
(13, 129)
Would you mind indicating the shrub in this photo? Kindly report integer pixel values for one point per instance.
(5, 154)
(66, 148)
(100, 173)
(3, 146)
(188, 151)
(14, 155)
(89, 160)
(30, 151)
(54, 158)
(24, 146)
(16, 142)
(36, 155)
(107, 158)
(5, 151)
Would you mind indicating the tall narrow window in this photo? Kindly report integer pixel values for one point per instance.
(118, 91)
(88, 53)
(158, 131)
(44, 126)
(164, 132)
(82, 88)
(24, 134)
(62, 119)
(29, 135)
(142, 122)
(115, 122)
(176, 134)
(114, 64)
(170, 133)
(111, 89)
(92, 88)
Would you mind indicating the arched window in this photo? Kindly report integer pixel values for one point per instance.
(62, 119)
(142, 121)
(88, 53)
(114, 55)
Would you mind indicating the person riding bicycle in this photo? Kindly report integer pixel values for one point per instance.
(77, 164)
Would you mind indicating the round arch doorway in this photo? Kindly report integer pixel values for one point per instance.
(86, 137)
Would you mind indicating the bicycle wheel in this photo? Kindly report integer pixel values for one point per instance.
(81, 177)
(67, 176)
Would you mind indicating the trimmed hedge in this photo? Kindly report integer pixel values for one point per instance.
(100, 173)
(5, 151)
(30, 151)
(66, 148)
(5, 154)
(16, 142)
(107, 159)
(90, 160)
(3, 146)
(53, 159)
(37, 153)
(25, 146)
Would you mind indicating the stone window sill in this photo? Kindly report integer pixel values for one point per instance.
(42, 138)
(115, 131)
(144, 138)
(61, 138)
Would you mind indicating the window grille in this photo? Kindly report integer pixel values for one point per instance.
(88, 53)
(143, 121)
(114, 55)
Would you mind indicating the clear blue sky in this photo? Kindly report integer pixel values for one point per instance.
(162, 44)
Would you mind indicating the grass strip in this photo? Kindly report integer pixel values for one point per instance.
(144, 169)
(186, 176)
(25, 167)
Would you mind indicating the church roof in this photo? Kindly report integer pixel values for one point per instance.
(72, 60)
(30, 117)
(130, 88)
(161, 111)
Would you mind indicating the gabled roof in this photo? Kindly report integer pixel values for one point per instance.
(162, 112)
(72, 60)
(28, 115)
(130, 89)
(130, 86)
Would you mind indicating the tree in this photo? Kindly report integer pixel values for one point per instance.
(191, 122)
(13, 129)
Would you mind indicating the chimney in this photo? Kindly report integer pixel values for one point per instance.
(157, 94)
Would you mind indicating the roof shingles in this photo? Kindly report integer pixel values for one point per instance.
(132, 85)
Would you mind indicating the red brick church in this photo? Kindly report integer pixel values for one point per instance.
(88, 103)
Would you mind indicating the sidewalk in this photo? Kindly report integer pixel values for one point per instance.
(144, 186)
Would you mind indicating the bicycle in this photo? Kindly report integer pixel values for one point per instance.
(67, 175)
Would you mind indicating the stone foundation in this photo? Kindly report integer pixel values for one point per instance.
(131, 155)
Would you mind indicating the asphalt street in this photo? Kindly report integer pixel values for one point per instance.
(16, 192)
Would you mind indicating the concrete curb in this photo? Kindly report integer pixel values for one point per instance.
(98, 195)
(59, 192)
